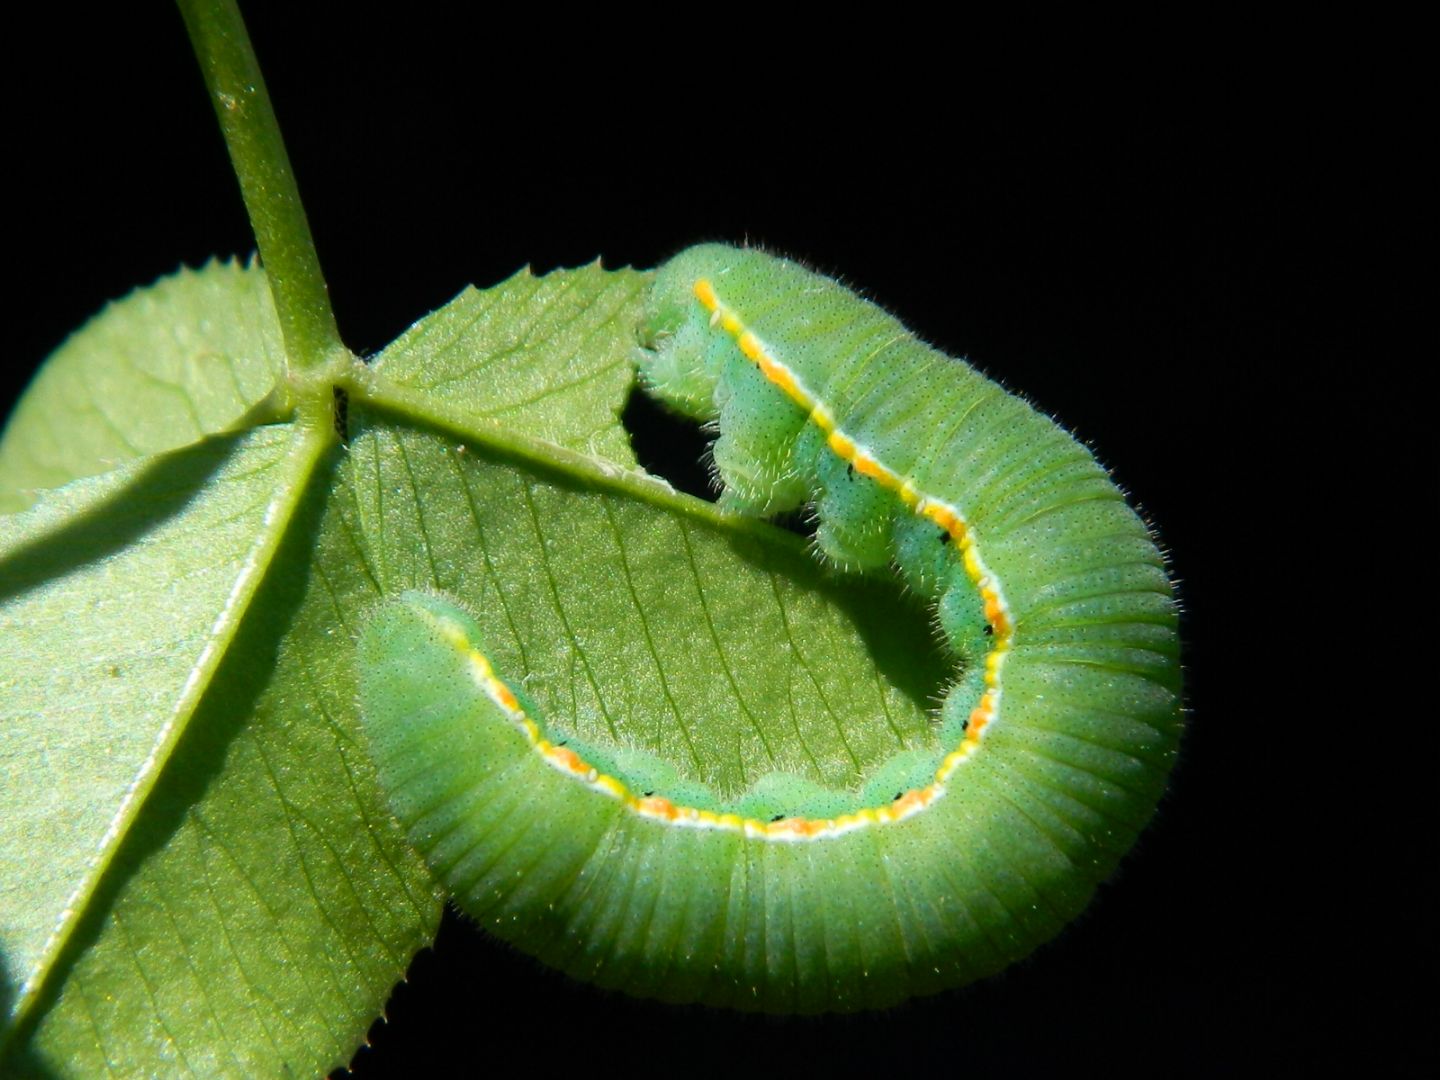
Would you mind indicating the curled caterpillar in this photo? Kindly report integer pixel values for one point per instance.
(944, 864)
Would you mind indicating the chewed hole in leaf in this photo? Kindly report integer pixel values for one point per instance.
(668, 446)
(677, 450)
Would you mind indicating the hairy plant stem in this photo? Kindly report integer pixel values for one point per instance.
(257, 151)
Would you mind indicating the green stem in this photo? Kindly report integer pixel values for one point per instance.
(257, 151)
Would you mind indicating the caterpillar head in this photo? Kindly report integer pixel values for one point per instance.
(677, 358)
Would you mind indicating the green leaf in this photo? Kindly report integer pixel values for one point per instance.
(186, 357)
(263, 905)
(550, 356)
(260, 903)
(121, 595)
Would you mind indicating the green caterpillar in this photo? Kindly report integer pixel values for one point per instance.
(945, 865)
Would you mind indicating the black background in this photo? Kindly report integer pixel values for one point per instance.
(1192, 270)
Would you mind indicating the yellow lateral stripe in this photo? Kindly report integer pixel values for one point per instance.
(941, 513)
(864, 462)
(659, 808)
(937, 511)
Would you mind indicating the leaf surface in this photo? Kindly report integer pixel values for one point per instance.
(549, 356)
(186, 357)
(120, 596)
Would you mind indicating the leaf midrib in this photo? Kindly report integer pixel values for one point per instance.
(309, 445)
(369, 387)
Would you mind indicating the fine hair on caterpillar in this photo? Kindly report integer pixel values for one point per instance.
(944, 857)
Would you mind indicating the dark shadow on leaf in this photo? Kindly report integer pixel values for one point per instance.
(23, 1064)
(897, 629)
(16, 1060)
(229, 702)
(156, 494)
